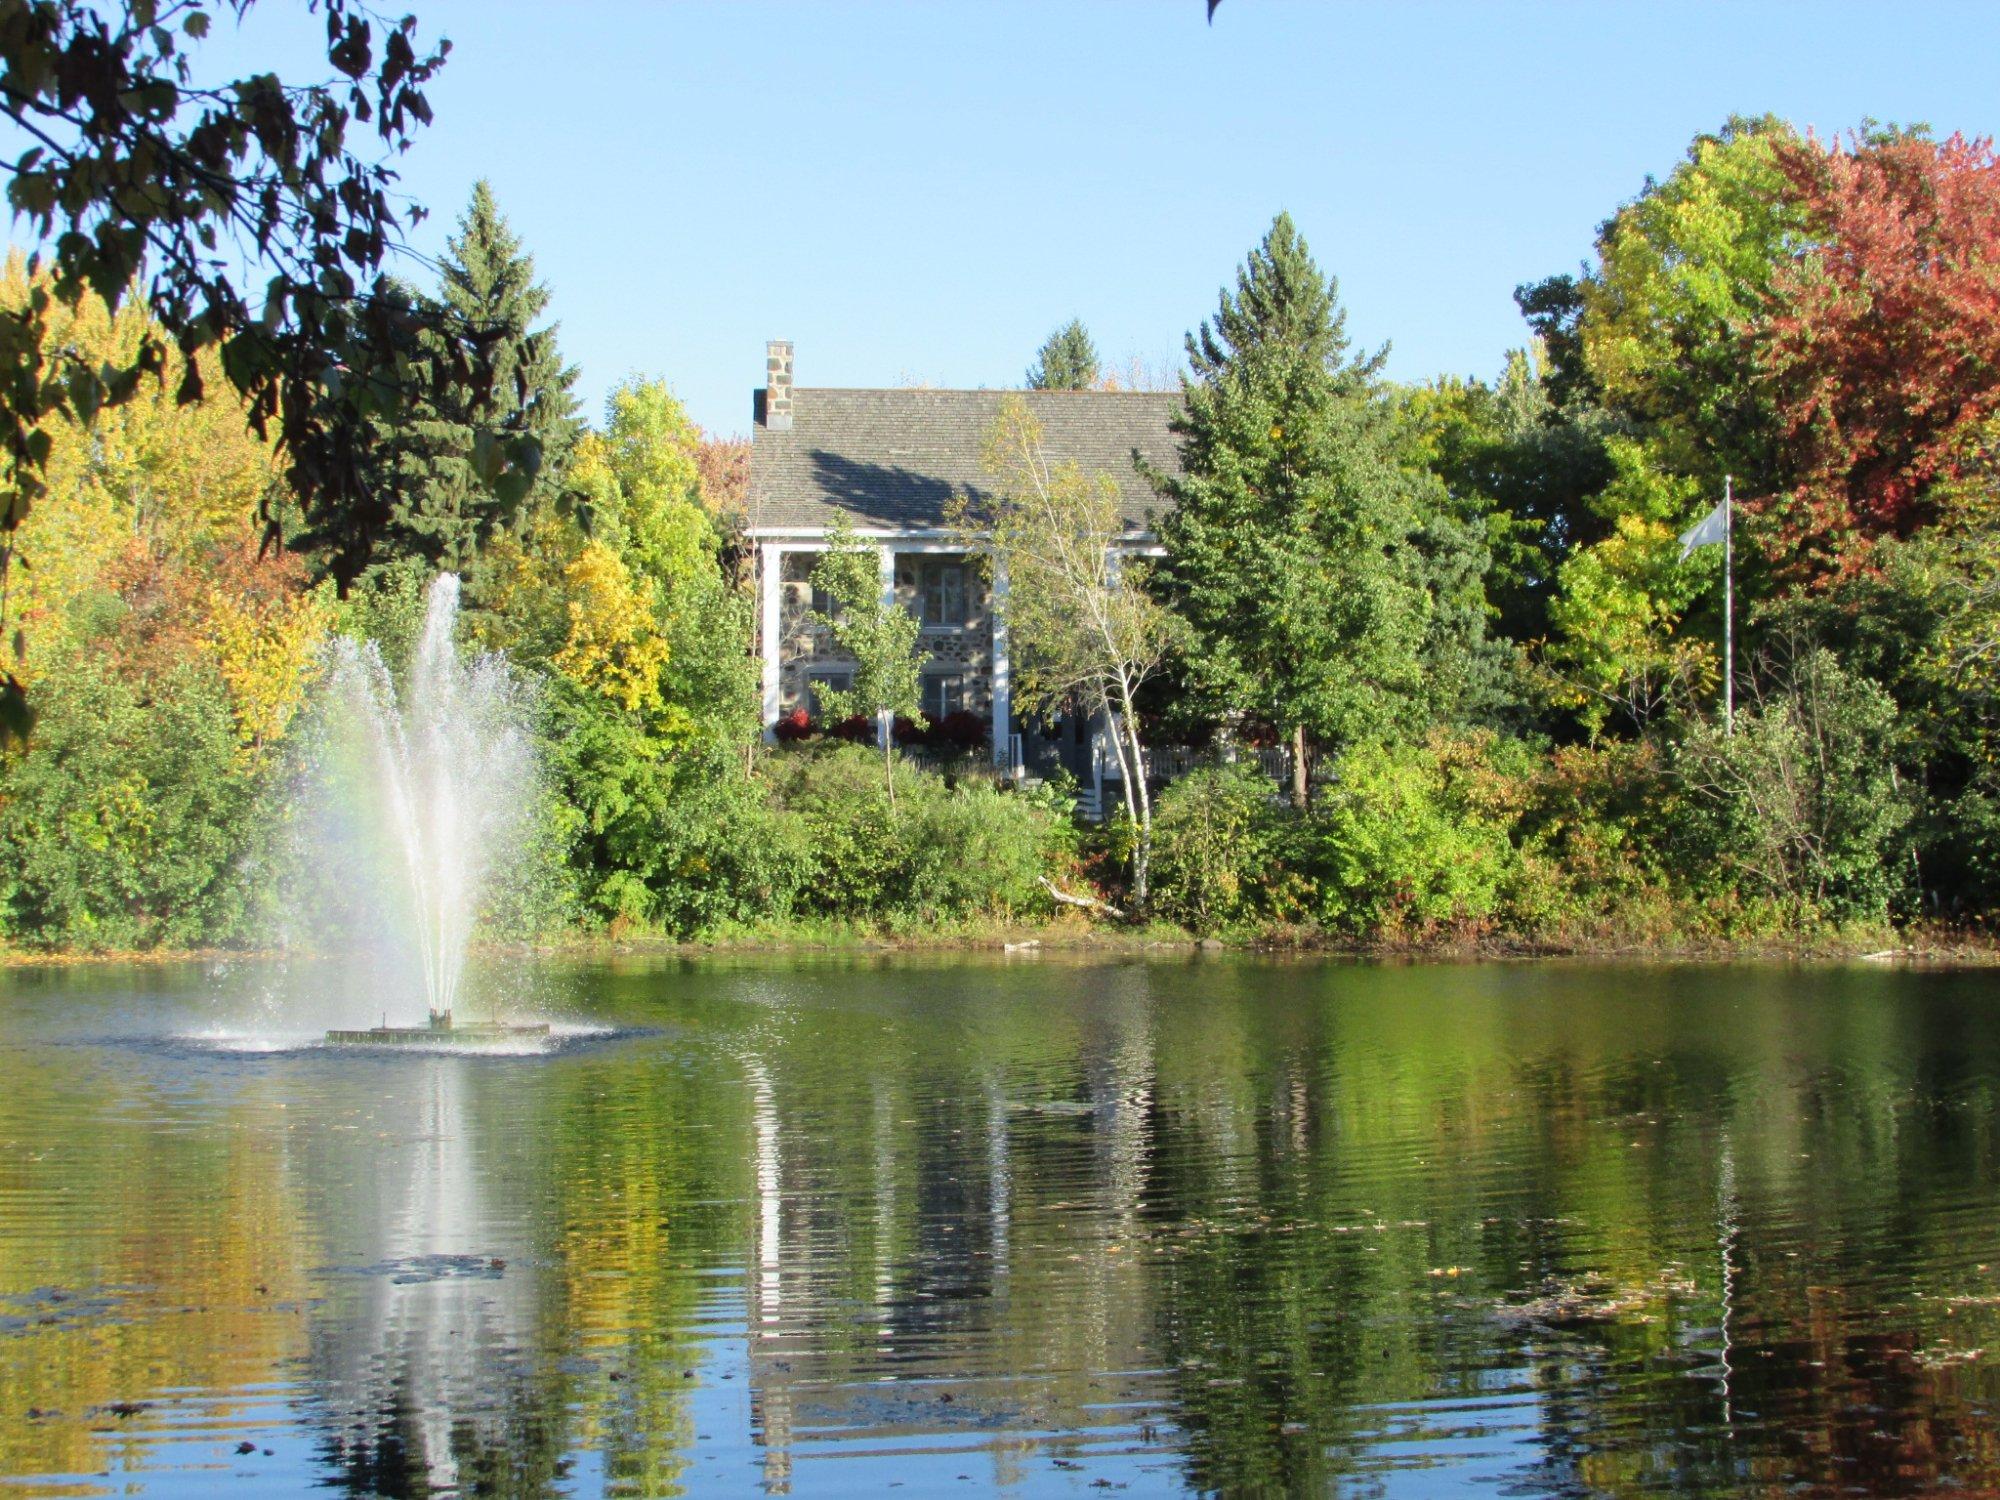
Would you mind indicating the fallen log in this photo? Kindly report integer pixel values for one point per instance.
(1089, 903)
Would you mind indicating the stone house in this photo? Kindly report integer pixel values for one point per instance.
(892, 462)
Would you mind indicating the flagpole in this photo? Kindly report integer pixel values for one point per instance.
(1728, 605)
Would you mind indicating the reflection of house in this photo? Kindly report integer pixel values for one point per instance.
(892, 462)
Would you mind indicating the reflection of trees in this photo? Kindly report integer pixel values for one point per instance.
(1313, 1217)
(1294, 1222)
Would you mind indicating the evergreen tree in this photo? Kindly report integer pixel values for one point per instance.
(488, 280)
(437, 456)
(1290, 537)
(1066, 362)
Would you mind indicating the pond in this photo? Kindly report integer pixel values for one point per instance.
(1034, 1226)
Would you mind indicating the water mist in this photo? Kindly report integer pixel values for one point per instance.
(415, 799)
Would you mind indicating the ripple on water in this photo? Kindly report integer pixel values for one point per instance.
(1227, 1228)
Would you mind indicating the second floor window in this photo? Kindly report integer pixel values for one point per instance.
(941, 591)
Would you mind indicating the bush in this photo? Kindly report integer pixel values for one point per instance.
(1592, 843)
(941, 852)
(1415, 839)
(960, 732)
(1218, 849)
(1801, 804)
(126, 819)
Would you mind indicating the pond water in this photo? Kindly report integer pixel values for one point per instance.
(1036, 1226)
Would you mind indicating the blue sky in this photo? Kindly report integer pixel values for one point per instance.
(920, 192)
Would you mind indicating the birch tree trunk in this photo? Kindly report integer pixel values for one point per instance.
(1301, 791)
(1138, 798)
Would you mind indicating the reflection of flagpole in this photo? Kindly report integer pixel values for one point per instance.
(1728, 605)
(1725, 1238)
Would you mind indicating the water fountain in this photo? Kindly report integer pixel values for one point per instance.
(423, 794)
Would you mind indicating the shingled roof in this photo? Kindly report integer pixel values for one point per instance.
(896, 458)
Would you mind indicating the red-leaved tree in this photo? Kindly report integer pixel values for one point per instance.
(1884, 339)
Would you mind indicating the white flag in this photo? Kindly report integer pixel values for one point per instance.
(1706, 532)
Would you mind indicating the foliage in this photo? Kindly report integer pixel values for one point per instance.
(1885, 340)
(1673, 311)
(1289, 534)
(127, 816)
(926, 852)
(1219, 846)
(1066, 362)
(1801, 805)
(1527, 466)
(1416, 838)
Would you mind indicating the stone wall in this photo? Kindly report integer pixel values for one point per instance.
(805, 647)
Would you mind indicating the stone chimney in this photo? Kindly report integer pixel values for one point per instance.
(778, 385)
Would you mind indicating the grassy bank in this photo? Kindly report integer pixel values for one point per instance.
(1071, 934)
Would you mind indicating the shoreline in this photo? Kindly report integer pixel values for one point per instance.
(1073, 939)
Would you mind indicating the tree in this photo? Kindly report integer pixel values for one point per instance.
(1288, 538)
(1673, 311)
(487, 282)
(1066, 362)
(1080, 622)
(1885, 340)
(879, 634)
(1508, 454)
(138, 177)
(432, 451)
(1655, 357)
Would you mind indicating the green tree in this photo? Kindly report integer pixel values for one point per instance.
(435, 450)
(1510, 453)
(1665, 331)
(1673, 309)
(1080, 621)
(1066, 362)
(879, 634)
(134, 172)
(1289, 534)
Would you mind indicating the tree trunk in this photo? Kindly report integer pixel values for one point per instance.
(888, 760)
(1138, 799)
(1142, 851)
(1301, 791)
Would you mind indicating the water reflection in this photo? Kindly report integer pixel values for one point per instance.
(1220, 1227)
(416, 1352)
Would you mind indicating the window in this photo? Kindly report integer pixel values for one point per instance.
(840, 679)
(798, 571)
(941, 591)
(944, 694)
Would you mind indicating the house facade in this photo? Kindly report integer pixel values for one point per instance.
(891, 463)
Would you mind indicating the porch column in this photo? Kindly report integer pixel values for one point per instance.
(884, 721)
(1003, 678)
(770, 581)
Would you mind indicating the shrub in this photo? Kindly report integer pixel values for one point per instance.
(960, 732)
(975, 851)
(1417, 838)
(941, 852)
(1218, 849)
(1801, 804)
(1592, 840)
(796, 725)
(126, 819)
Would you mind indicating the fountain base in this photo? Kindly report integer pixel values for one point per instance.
(440, 1030)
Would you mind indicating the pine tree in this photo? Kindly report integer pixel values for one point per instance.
(1066, 362)
(488, 280)
(436, 455)
(1290, 535)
